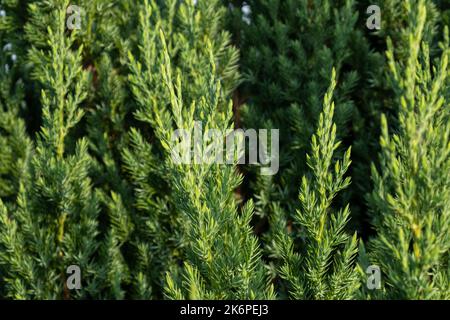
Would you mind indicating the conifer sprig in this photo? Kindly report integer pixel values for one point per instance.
(325, 267)
(223, 255)
(412, 190)
(55, 223)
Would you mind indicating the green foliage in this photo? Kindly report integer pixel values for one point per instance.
(14, 141)
(324, 268)
(54, 224)
(222, 252)
(88, 175)
(411, 188)
(288, 50)
(202, 195)
(15, 145)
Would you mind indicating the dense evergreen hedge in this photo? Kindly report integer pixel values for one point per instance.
(88, 178)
